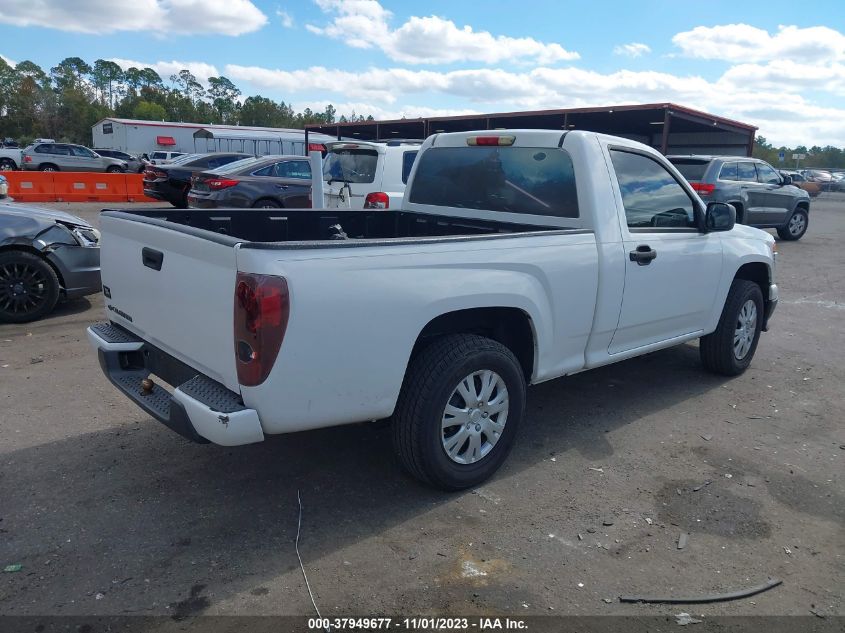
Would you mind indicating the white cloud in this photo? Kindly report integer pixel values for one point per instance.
(743, 43)
(226, 17)
(285, 18)
(200, 70)
(784, 116)
(634, 49)
(8, 61)
(428, 40)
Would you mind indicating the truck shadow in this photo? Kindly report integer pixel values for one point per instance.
(141, 504)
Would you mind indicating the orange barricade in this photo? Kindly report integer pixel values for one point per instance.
(31, 186)
(89, 187)
(64, 186)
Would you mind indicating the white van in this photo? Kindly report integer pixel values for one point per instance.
(367, 174)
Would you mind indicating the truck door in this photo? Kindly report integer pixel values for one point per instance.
(672, 269)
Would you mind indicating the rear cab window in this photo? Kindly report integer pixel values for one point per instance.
(523, 180)
(350, 164)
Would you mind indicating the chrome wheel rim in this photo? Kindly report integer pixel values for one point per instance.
(746, 329)
(797, 224)
(475, 417)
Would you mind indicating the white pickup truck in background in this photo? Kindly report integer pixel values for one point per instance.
(516, 257)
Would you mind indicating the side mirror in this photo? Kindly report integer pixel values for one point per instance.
(719, 216)
(787, 180)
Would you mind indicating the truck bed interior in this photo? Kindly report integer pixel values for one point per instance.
(310, 225)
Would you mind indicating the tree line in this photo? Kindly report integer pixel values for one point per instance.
(828, 156)
(65, 101)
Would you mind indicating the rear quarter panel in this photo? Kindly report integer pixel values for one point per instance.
(356, 314)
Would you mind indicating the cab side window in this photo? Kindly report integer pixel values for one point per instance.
(728, 172)
(767, 175)
(747, 172)
(650, 194)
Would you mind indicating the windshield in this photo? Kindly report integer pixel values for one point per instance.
(350, 165)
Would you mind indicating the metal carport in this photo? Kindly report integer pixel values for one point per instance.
(668, 127)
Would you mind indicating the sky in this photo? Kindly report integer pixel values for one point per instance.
(777, 65)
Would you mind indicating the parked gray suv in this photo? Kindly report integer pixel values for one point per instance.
(68, 157)
(762, 197)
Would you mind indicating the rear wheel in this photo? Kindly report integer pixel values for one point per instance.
(29, 287)
(266, 203)
(796, 227)
(729, 350)
(114, 169)
(458, 412)
(48, 167)
(7, 164)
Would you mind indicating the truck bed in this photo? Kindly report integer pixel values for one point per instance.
(309, 228)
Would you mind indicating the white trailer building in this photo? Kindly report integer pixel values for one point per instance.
(144, 137)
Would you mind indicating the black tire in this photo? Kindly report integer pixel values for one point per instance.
(114, 169)
(717, 350)
(27, 273)
(431, 380)
(797, 225)
(266, 203)
(48, 167)
(7, 164)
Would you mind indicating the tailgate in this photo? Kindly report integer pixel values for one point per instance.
(173, 289)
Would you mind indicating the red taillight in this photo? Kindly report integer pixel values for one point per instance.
(377, 200)
(221, 183)
(152, 174)
(703, 188)
(262, 308)
(27, 159)
(317, 147)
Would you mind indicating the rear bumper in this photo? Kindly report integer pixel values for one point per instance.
(199, 408)
(200, 202)
(771, 304)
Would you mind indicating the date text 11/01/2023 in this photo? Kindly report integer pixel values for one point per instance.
(418, 624)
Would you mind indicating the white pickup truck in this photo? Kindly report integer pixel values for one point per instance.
(517, 257)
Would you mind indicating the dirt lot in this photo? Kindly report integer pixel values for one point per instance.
(108, 512)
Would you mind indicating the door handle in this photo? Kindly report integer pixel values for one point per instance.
(152, 258)
(643, 255)
(282, 186)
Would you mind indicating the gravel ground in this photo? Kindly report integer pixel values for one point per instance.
(108, 512)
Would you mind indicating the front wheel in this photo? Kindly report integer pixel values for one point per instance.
(114, 170)
(729, 350)
(458, 412)
(796, 227)
(29, 287)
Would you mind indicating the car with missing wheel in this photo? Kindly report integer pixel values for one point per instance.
(46, 256)
(762, 197)
(516, 257)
